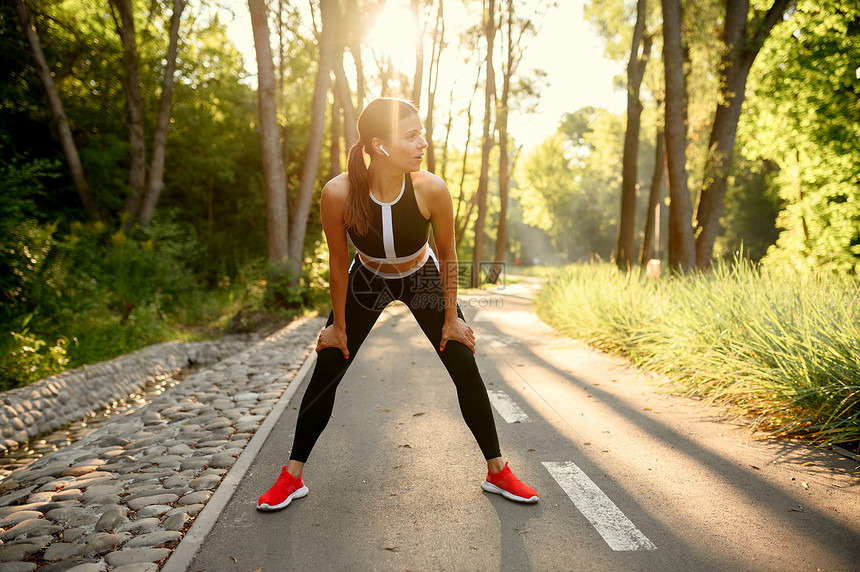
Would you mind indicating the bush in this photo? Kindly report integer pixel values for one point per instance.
(87, 296)
(31, 358)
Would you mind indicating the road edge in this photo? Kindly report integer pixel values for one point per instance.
(184, 553)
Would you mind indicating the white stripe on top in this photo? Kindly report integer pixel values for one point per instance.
(387, 222)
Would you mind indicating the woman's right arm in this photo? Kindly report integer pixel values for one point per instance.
(332, 213)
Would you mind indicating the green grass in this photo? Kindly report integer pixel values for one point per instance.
(775, 345)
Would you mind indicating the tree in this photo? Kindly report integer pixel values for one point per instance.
(341, 86)
(742, 41)
(131, 81)
(438, 43)
(682, 254)
(159, 140)
(64, 130)
(299, 217)
(357, 16)
(487, 141)
(513, 56)
(418, 78)
(635, 73)
(461, 219)
(273, 165)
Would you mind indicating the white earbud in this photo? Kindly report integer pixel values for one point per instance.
(381, 148)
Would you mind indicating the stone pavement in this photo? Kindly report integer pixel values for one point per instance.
(122, 498)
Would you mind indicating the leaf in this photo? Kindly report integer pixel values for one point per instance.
(754, 467)
(417, 414)
(383, 409)
(392, 548)
(234, 559)
(407, 445)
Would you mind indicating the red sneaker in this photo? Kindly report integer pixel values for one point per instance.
(285, 489)
(506, 484)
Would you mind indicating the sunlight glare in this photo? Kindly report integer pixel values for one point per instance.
(393, 35)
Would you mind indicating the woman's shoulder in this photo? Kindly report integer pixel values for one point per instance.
(338, 187)
(425, 182)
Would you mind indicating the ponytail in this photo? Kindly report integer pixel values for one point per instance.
(358, 210)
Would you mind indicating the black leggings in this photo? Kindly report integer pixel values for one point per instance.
(367, 295)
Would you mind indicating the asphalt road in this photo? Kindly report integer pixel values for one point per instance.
(630, 477)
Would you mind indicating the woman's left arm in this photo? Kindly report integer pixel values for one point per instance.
(442, 218)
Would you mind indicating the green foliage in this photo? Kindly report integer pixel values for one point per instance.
(24, 244)
(76, 293)
(569, 186)
(82, 297)
(806, 118)
(31, 358)
(781, 348)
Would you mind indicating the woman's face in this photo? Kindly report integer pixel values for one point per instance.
(406, 149)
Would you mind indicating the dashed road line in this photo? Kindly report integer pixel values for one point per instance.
(615, 528)
(507, 407)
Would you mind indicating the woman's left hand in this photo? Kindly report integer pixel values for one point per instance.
(458, 331)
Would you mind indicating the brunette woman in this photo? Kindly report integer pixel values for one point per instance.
(387, 210)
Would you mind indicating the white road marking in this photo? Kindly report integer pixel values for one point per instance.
(615, 528)
(507, 408)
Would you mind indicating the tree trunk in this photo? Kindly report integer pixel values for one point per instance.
(299, 220)
(279, 100)
(682, 254)
(344, 95)
(432, 83)
(740, 53)
(162, 124)
(487, 144)
(354, 43)
(334, 137)
(504, 158)
(418, 78)
(653, 201)
(67, 141)
(273, 166)
(635, 73)
(443, 170)
(462, 222)
(134, 102)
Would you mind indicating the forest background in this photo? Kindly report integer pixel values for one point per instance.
(153, 189)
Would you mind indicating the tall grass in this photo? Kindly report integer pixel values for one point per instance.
(778, 346)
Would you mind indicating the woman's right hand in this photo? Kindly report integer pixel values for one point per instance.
(333, 337)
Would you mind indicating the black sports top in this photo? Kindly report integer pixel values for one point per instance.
(397, 231)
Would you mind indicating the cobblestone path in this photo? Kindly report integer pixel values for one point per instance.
(122, 497)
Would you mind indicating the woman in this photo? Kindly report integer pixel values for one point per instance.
(387, 210)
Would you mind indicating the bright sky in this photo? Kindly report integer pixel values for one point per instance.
(566, 47)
